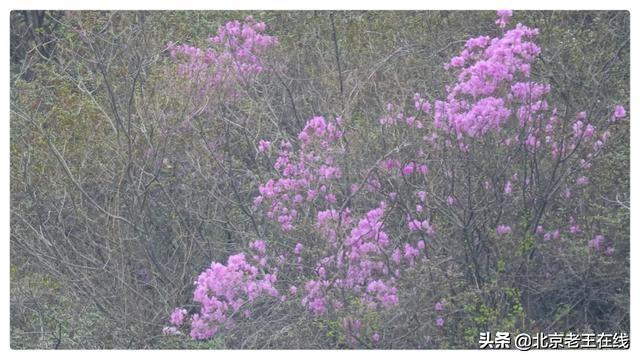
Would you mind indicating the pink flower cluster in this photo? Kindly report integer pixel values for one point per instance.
(597, 244)
(503, 229)
(222, 290)
(503, 18)
(360, 268)
(306, 175)
(476, 103)
(177, 317)
(234, 57)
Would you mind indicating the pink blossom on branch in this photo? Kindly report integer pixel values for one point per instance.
(503, 17)
(177, 316)
(619, 112)
(503, 229)
(222, 290)
(234, 57)
(264, 146)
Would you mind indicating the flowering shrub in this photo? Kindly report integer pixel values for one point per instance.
(358, 239)
(306, 176)
(223, 290)
(233, 59)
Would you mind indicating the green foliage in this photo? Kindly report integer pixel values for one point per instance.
(506, 314)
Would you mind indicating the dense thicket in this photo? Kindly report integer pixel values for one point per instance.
(315, 168)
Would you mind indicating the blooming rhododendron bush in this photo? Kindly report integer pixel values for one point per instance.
(486, 180)
(326, 179)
